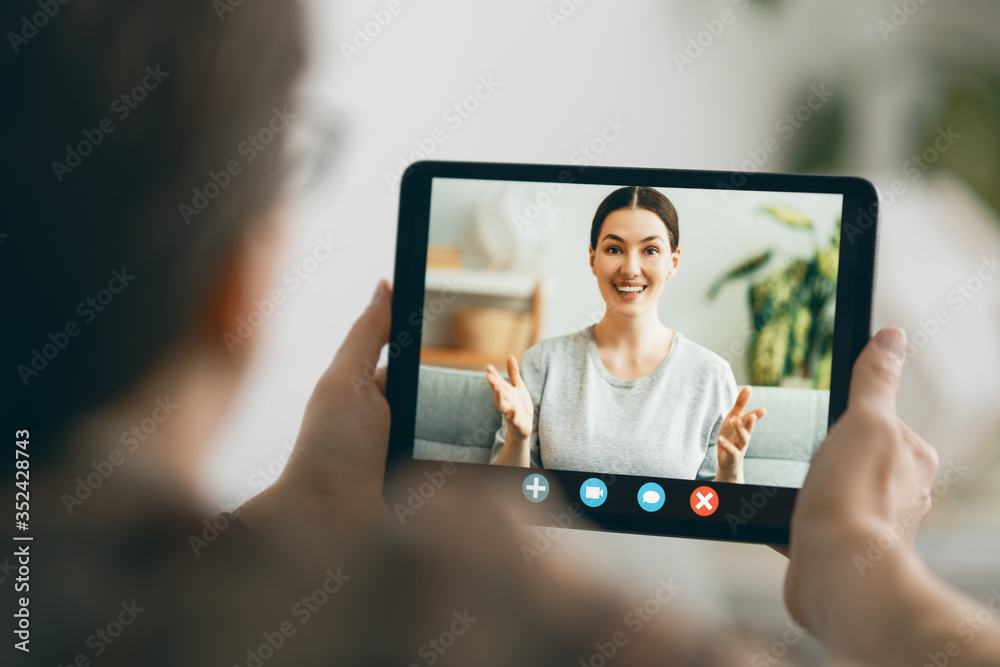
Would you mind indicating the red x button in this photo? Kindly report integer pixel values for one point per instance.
(704, 500)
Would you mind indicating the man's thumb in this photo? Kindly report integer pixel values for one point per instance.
(360, 350)
(875, 378)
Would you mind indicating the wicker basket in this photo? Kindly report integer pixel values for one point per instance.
(492, 331)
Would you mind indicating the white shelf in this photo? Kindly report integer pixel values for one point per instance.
(489, 283)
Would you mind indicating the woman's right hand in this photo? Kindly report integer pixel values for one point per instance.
(512, 399)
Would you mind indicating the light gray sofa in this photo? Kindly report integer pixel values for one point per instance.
(456, 421)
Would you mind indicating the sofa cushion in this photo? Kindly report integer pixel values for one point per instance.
(795, 423)
(456, 421)
(455, 407)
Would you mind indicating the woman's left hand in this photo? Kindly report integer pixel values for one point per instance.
(734, 438)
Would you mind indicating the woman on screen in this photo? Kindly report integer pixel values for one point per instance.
(627, 395)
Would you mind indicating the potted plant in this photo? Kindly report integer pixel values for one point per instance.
(791, 307)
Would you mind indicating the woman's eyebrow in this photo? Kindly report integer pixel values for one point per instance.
(615, 237)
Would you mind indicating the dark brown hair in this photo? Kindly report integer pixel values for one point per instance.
(634, 197)
(212, 78)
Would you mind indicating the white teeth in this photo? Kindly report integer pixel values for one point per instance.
(631, 288)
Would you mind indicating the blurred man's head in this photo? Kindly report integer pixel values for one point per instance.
(143, 146)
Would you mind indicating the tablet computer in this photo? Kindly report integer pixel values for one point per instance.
(683, 339)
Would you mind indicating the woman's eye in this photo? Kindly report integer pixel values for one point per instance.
(652, 251)
(614, 250)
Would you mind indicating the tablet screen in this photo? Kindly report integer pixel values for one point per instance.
(697, 293)
(661, 334)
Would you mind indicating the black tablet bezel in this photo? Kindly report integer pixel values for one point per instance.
(757, 514)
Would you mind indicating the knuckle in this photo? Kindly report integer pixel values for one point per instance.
(885, 368)
(878, 423)
(332, 385)
(932, 454)
(928, 454)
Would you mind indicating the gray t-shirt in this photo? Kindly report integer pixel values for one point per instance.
(665, 424)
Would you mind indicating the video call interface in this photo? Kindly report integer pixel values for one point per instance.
(668, 333)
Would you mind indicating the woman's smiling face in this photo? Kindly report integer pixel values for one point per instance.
(633, 260)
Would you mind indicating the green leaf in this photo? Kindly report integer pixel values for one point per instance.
(827, 261)
(802, 322)
(789, 216)
(743, 269)
(770, 351)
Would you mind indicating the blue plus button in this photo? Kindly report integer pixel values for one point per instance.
(535, 488)
(593, 492)
(651, 496)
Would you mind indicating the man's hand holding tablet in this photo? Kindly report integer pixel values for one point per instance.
(854, 580)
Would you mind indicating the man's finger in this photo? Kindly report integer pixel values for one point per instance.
(875, 378)
(926, 456)
(359, 353)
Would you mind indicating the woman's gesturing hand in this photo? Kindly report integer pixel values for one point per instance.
(512, 399)
(514, 403)
(734, 438)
